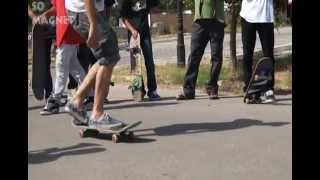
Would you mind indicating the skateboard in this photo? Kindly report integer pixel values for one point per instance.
(117, 134)
(261, 76)
(137, 85)
(39, 60)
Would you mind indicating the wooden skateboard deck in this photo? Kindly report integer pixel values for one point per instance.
(39, 61)
(261, 76)
(137, 84)
(116, 133)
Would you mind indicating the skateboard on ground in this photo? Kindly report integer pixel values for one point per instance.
(137, 85)
(117, 133)
(261, 77)
(39, 60)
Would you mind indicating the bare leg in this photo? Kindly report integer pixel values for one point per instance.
(103, 79)
(86, 85)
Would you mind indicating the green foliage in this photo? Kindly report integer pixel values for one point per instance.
(137, 84)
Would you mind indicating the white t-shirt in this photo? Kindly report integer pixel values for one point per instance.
(78, 5)
(257, 11)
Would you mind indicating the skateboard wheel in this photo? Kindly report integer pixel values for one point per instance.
(115, 138)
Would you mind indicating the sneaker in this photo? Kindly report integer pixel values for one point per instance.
(154, 96)
(269, 97)
(105, 121)
(212, 93)
(183, 96)
(254, 99)
(75, 122)
(63, 100)
(88, 102)
(78, 114)
(52, 106)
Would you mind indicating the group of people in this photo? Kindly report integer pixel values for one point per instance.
(87, 37)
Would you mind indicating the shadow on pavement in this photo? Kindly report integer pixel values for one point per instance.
(193, 128)
(52, 154)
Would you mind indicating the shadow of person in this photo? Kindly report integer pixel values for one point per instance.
(192, 128)
(52, 154)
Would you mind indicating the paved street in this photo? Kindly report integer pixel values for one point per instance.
(199, 139)
(166, 51)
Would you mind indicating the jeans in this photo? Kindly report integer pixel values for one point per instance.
(67, 62)
(203, 31)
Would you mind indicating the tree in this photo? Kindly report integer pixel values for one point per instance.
(234, 9)
(180, 36)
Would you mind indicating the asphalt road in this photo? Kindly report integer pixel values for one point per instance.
(199, 139)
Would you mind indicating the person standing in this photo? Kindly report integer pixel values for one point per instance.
(208, 26)
(257, 16)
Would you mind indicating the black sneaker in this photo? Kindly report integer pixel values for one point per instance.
(183, 96)
(154, 96)
(52, 106)
(254, 99)
(212, 93)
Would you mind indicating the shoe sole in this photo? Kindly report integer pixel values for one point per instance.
(155, 99)
(77, 125)
(268, 101)
(184, 99)
(47, 113)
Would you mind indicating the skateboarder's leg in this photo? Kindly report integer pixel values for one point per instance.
(87, 84)
(199, 40)
(266, 35)
(248, 44)
(107, 55)
(103, 78)
(216, 33)
(78, 72)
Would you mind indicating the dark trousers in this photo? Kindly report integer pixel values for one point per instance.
(203, 31)
(266, 35)
(146, 46)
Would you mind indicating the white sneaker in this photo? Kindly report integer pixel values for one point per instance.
(269, 97)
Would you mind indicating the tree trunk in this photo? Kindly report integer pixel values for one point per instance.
(180, 38)
(233, 40)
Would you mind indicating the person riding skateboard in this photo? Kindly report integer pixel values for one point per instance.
(257, 16)
(36, 8)
(208, 26)
(67, 41)
(89, 20)
(135, 17)
(85, 56)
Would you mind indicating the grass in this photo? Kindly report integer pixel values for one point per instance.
(170, 76)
